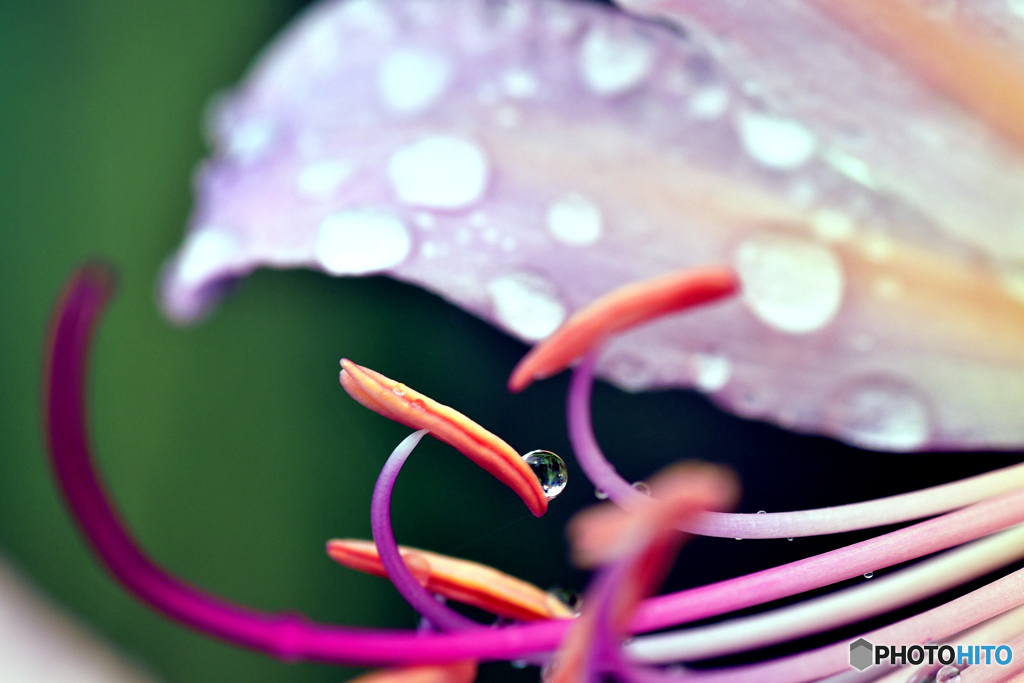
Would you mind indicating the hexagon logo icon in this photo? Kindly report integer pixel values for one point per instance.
(860, 654)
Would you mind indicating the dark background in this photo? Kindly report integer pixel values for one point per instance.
(230, 446)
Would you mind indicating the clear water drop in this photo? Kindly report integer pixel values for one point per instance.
(642, 487)
(883, 413)
(600, 494)
(869, 575)
(738, 538)
(761, 512)
(399, 390)
(519, 663)
(948, 674)
(550, 471)
(572, 599)
(790, 538)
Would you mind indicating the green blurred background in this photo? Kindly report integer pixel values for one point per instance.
(230, 446)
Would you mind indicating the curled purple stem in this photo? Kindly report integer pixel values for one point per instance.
(284, 636)
(416, 595)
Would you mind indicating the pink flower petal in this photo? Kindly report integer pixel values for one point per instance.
(523, 158)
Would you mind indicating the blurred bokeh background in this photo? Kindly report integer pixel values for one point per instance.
(230, 447)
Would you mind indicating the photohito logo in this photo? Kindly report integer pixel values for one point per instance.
(864, 654)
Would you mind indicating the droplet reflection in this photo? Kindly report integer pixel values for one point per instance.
(550, 471)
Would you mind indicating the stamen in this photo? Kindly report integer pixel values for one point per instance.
(620, 310)
(411, 408)
(458, 672)
(457, 579)
(838, 519)
(870, 599)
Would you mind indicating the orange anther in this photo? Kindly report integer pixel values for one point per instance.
(461, 580)
(456, 672)
(617, 311)
(411, 408)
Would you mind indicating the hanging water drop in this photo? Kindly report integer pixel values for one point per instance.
(948, 674)
(790, 538)
(519, 663)
(549, 470)
(567, 596)
(869, 575)
(600, 494)
(642, 487)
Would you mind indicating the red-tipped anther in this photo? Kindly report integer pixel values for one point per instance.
(617, 311)
(458, 672)
(411, 408)
(461, 580)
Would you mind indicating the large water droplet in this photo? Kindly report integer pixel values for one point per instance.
(361, 240)
(775, 142)
(948, 674)
(880, 413)
(550, 471)
(791, 284)
(411, 80)
(440, 172)
(527, 304)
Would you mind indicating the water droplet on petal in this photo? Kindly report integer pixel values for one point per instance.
(880, 413)
(707, 104)
(574, 220)
(869, 575)
(206, 252)
(642, 487)
(613, 64)
(600, 494)
(791, 284)
(948, 674)
(550, 471)
(775, 142)
(361, 241)
(440, 172)
(527, 305)
(323, 178)
(710, 372)
(410, 80)
(418, 404)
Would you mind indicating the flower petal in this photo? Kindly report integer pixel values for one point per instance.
(456, 579)
(411, 408)
(525, 159)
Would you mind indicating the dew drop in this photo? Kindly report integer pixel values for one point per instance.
(574, 220)
(572, 599)
(869, 575)
(707, 104)
(527, 305)
(550, 471)
(418, 404)
(791, 284)
(410, 80)
(519, 663)
(775, 142)
(790, 538)
(400, 389)
(613, 64)
(948, 674)
(710, 372)
(360, 241)
(439, 172)
(600, 494)
(880, 413)
(642, 487)
(761, 512)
